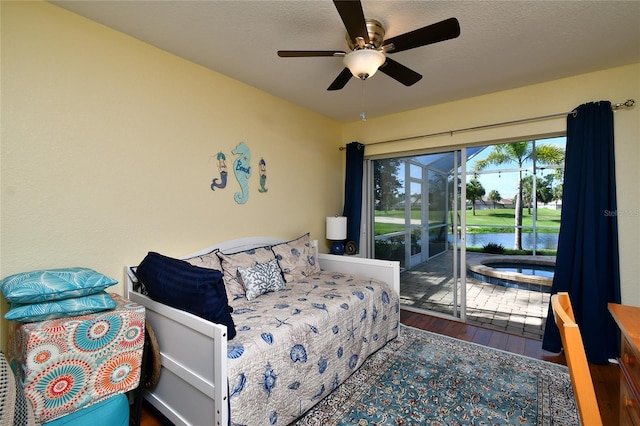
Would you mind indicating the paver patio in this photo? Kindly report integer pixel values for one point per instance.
(429, 287)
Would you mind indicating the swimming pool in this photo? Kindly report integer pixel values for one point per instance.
(533, 274)
(523, 268)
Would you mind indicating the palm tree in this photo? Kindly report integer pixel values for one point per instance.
(475, 191)
(519, 153)
(527, 192)
(495, 197)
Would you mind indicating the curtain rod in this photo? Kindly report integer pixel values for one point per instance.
(627, 104)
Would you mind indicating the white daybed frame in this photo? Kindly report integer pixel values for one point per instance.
(192, 389)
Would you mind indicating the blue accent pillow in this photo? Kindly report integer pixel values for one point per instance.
(72, 307)
(176, 283)
(261, 278)
(53, 284)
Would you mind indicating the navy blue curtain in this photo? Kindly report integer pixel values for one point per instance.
(353, 191)
(587, 264)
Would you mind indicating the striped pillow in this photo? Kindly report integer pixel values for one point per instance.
(176, 283)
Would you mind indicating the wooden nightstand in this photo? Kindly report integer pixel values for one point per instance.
(628, 319)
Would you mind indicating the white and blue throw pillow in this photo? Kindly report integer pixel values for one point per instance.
(296, 258)
(261, 278)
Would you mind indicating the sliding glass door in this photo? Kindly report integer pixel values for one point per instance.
(414, 216)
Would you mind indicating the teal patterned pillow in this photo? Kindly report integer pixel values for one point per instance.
(53, 284)
(60, 308)
(261, 278)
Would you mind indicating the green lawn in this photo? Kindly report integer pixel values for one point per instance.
(506, 217)
(491, 221)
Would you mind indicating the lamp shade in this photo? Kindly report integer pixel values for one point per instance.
(364, 63)
(336, 228)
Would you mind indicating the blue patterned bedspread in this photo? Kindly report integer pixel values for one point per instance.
(296, 345)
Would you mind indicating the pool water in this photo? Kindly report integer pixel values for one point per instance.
(523, 268)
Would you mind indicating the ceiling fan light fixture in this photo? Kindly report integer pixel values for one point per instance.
(363, 63)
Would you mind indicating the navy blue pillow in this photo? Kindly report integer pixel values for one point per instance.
(179, 284)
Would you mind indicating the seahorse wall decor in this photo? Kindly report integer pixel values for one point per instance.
(222, 168)
(242, 170)
(263, 176)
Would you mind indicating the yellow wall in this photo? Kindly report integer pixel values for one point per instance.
(109, 144)
(616, 85)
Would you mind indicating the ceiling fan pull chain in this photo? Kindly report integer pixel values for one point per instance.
(363, 115)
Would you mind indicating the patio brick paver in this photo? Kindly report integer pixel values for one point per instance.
(517, 311)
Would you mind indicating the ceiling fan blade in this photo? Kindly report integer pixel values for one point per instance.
(353, 18)
(342, 79)
(399, 72)
(308, 53)
(441, 31)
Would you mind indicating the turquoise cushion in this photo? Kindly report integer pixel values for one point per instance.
(53, 284)
(32, 312)
(110, 412)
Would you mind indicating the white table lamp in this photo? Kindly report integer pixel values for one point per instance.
(337, 232)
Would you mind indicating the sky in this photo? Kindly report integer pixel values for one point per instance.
(506, 182)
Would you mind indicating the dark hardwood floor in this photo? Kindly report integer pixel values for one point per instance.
(606, 378)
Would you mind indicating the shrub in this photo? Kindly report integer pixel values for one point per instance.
(389, 250)
(493, 248)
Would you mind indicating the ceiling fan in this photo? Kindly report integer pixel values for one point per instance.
(369, 49)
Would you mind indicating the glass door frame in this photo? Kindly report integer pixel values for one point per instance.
(460, 204)
(367, 236)
(410, 258)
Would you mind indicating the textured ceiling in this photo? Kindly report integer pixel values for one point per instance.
(503, 44)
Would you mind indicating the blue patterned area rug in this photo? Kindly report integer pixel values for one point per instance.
(422, 378)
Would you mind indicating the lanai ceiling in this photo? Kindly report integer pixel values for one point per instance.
(503, 45)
